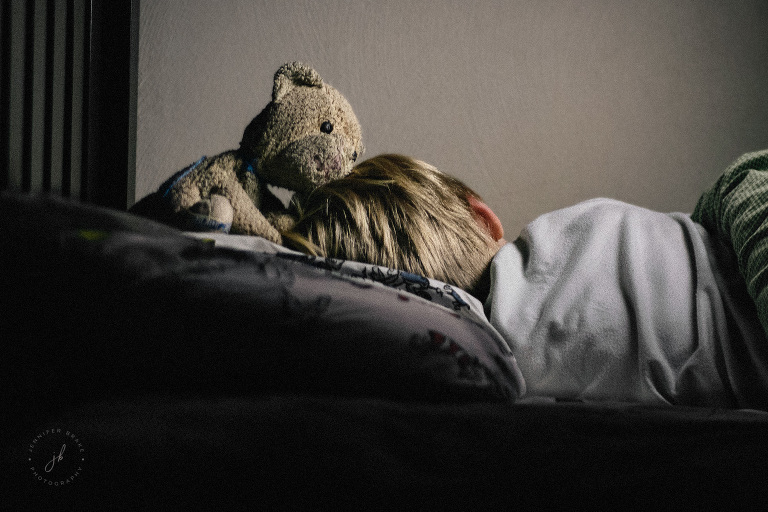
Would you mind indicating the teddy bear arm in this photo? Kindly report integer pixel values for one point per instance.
(281, 221)
(206, 177)
(248, 220)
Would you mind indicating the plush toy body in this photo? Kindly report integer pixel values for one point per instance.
(306, 136)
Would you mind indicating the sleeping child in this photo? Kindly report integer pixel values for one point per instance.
(599, 301)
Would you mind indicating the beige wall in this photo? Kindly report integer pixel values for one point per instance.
(537, 104)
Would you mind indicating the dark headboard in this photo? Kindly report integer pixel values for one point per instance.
(68, 78)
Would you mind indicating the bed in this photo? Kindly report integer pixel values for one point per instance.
(146, 368)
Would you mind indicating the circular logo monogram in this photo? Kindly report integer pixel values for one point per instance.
(56, 457)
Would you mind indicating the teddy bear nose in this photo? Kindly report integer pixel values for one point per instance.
(329, 166)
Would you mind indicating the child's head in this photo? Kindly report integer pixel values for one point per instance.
(401, 213)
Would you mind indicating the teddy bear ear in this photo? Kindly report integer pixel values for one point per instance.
(294, 74)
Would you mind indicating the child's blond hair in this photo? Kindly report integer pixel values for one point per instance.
(401, 213)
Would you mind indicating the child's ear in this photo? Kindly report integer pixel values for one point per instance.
(489, 219)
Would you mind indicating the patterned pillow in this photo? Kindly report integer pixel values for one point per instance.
(116, 303)
(378, 323)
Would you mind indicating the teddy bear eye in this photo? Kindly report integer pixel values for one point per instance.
(326, 127)
(354, 156)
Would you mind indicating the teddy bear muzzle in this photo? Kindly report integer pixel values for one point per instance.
(319, 159)
(329, 167)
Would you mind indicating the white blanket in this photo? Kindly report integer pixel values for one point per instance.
(608, 301)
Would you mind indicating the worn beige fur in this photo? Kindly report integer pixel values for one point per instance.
(306, 136)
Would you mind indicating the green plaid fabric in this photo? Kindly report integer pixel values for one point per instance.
(735, 209)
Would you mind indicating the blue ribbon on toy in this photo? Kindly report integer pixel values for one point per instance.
(251, 168)
(173, 180)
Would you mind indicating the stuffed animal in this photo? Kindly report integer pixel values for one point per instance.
(306, 136)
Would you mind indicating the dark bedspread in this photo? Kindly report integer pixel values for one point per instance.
(293, 451)
(158, 413)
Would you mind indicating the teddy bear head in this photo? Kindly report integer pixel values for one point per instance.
(306, 136)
